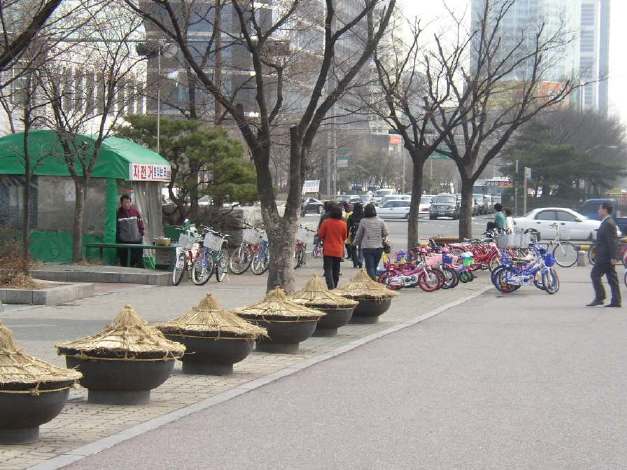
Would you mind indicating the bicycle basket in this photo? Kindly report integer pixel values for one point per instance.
(549, 260)
(251, 236)
(213, 242)
(185, 241)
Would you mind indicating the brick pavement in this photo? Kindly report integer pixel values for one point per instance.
(81, 423)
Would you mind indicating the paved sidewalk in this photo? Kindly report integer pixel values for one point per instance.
(37, 329)
(527, 381)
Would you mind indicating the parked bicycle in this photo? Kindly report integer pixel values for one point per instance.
(540, 272)
(186, 251)
(300, 250)
(565, 252)
(213, 257)
(242, 256)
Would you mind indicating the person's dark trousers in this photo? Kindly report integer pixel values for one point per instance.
(358, 259)
(331, 266)
(372, 256)
(349, 251)
(608, 270)
(136, 260)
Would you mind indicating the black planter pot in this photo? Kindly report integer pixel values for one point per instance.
(284, 336)
(22, 414)
(120, 382)
(334, 319)
(210, 356)
(368, 310)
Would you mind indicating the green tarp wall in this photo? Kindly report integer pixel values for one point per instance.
(46, 153)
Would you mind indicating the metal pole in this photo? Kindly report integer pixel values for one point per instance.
(525, 193)
(159, 100)
(516, 190)
(403, 180)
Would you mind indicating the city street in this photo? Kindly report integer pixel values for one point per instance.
(518, 382)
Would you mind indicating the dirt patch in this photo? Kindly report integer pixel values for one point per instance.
(20, 281)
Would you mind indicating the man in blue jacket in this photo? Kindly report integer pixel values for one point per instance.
(606, 259)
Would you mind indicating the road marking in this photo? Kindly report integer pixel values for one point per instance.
(150, 425)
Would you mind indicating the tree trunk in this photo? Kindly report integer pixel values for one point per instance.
(465, 216)
(26, 210)
(79, 217)
(281, 230)
(416, 193)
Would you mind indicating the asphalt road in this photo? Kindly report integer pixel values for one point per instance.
(528, 381)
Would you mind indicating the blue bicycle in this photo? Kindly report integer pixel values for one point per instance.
(213, 257)
(540, 272)
(261, 257)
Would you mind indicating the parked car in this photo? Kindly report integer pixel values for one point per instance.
(573, 225)
(425, 204)
(444, 205)
(381, 193)
(312, 205)
(395, 197)
(394, 209)
(479, 207)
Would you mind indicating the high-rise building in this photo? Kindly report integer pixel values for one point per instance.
(595, 55)
(559, 19)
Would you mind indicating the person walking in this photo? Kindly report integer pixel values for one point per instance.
(500, 220)
(607, 251)
(353, 224)
(370, 237)
(129, 229)
(333, 233)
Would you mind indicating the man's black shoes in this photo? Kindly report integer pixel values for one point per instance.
(613, 305)
(595, 303)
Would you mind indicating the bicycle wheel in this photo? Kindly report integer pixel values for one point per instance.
(592, 255)
(202, 269)
(179, 269)
(299, 257)
(452, 280)
(428, 280)
(565, 254)
(222, 264)
(240, 260)
(551, 281)
(260, 263)
(502, 285)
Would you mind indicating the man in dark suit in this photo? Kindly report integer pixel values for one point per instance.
(606, 258)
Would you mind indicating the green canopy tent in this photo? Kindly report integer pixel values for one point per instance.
(122, 167)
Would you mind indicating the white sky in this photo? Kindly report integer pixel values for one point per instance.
(431, 9)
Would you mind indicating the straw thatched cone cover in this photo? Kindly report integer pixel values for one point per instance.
(208, 319)
(315, 293)
(362, 286)
(23, 372)
(127, 337)
(277, 306)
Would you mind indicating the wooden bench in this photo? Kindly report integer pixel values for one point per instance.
(102, 246)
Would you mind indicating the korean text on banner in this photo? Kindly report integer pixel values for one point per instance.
(149, 172)
(311, 186)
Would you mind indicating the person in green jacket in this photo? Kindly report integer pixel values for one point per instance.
(500, 219)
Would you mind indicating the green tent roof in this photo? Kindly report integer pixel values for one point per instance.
(118, 158)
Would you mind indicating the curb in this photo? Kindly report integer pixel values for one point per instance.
(150, 425)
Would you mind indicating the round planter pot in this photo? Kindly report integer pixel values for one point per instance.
(368, 310)
(334, 319)
(22, 414)
(120, 382)
(284, 337)
(210, 356)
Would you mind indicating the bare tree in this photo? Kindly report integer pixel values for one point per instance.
(511, 79)
(266, 45)
(413, 85)
(21, 21)
(106, 45)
